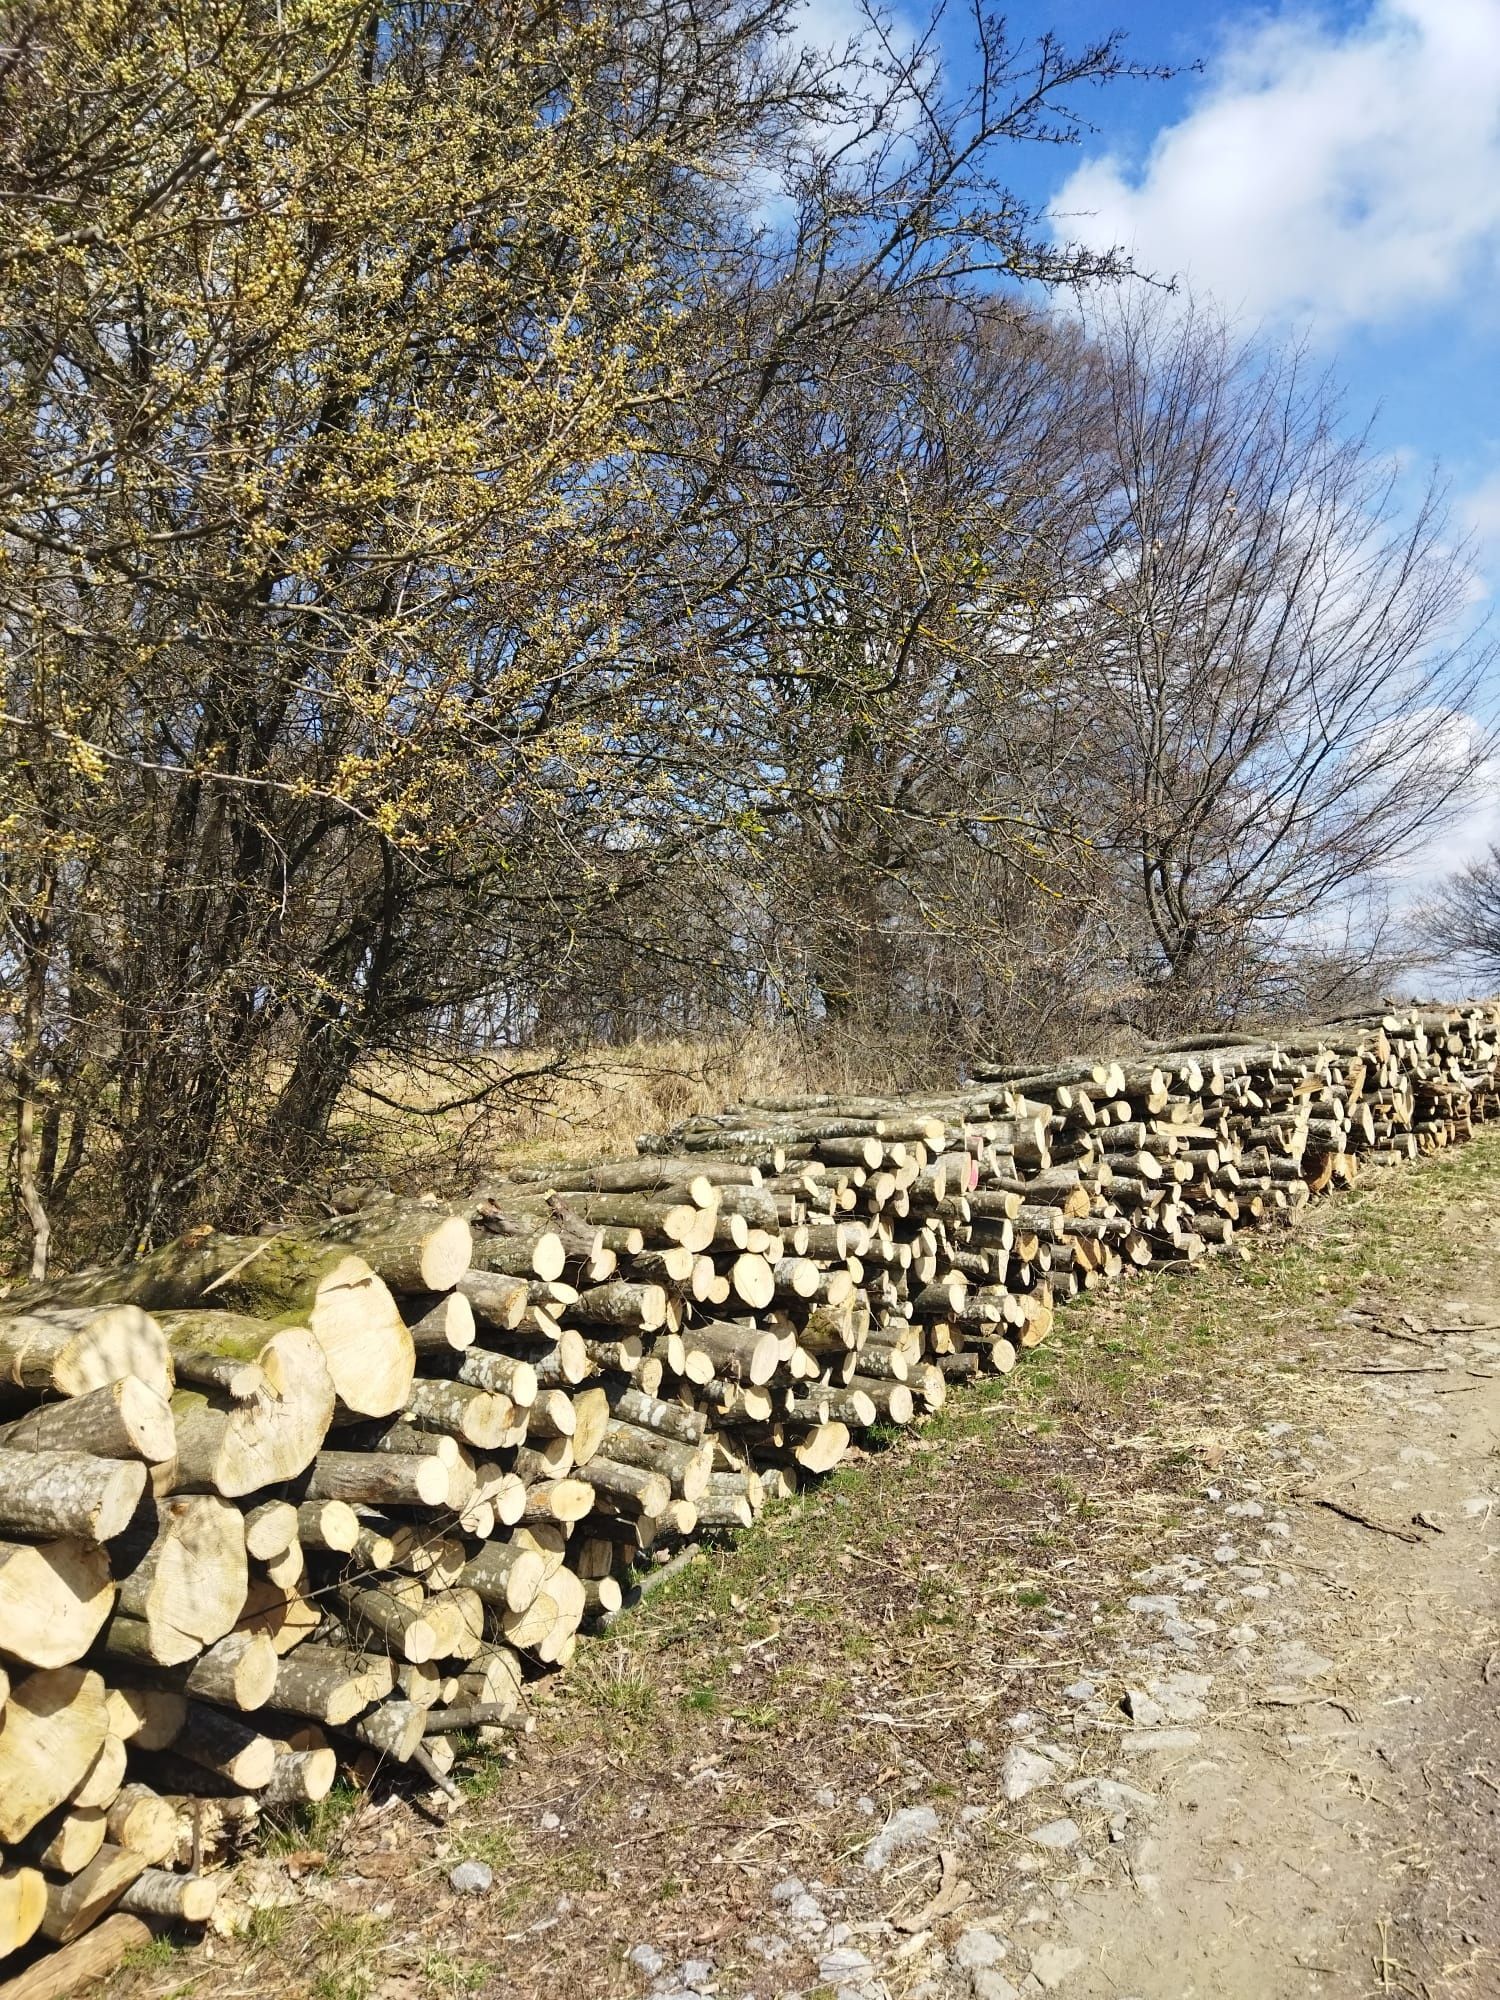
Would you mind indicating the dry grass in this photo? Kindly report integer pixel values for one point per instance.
(594, 1104)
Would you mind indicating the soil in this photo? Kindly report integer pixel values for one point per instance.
(1228, 1546)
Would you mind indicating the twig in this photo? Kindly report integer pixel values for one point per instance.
(235, 1269)
(1390, 1368)
(650, 1582)
(478, 1715)
(423, 1759)
(1362, 1520)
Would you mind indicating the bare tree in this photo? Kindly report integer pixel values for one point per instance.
(1461, 926)
(1279, 667)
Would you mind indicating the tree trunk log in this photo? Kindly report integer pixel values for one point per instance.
(375, 1479)
(440, 1324)
(144, 1822)
(124, 1419)
(71, 1350)
(76, 1903)
(411, 1247)
(330, 1684)
(93, 1957)
(68, 1493)
(54, 1599)
(505, 1575)
(189, 1585)
(66, 1841)
(166, 1898)
(55, 1725)
(229, 1748)
(23, 1904)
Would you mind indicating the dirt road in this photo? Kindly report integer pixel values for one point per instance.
(1167, 1668)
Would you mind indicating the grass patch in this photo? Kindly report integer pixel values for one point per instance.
(344, 1950)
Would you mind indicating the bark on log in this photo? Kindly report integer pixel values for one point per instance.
(143, 1821)
(480, 1417)
(162, 1897)
(503, 1374)
(239, 1672)
(393, 1730)
(537, 1254)
(125, 1419)
(685, 1466)
(68, 1493)
(77, 1902)
(231, 1749)
(301, 1777)
(68, 1350)
(745, 1354)
(331, 1684)
(441, 1324)
(67, 1840)
(411, 1247)
(289, 1281)
(377, 1617)
(375, 1479)
(497, 1301)
(632, 1489)
(566, 1500)
(506, 1575)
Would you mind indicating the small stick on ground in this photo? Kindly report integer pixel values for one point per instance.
(1362, 1520)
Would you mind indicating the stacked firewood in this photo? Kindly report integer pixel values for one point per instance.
(276, 1506)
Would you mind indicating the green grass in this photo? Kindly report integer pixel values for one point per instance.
(493, 1846)
(344, 1949)
(151, 1956)
(317, 1825)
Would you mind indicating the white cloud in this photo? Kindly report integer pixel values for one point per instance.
(1325, 175)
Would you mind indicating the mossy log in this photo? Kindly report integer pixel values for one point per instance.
(287, 1280)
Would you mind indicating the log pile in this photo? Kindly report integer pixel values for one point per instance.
(272, 1507)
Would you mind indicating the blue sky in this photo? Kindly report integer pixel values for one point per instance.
(1328, 171)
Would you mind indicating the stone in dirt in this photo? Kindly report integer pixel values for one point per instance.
(471, 1878)
(978, 1948)
(1152, 1607)
(1141, 1709)
(1051, 1964)
(1108, 1795)
(1179, 1697)
(846, 1963)
(1023, 1771)
(1057, 1834)
(646, 1958)
(909, 1827)
(1296, 1661)
(1138, 1742)
(989, 1984)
